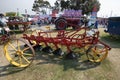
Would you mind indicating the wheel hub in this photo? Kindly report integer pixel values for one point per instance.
(19, 53)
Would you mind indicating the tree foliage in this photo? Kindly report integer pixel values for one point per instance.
(10, 14)
(40, 5)
(85, 5)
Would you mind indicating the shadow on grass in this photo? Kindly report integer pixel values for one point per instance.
(9, 69)
(111, 41)
(76, 64)
(82, 65)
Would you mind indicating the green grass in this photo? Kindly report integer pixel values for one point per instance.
(112, 41)
(49, 67)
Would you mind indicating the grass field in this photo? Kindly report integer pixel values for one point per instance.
(49, 67)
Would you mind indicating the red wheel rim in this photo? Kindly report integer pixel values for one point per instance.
(61, 25)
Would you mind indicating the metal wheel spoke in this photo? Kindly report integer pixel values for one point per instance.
(13, 53)
(99, 51)
(12, 46)
(103, 50)
(28, 55)
(25, 49)
(95, 51)
(18, 54)
(28, 48)
(20, 60)
(16, 58)
(25, 59)
(92, 57)
(18, 45)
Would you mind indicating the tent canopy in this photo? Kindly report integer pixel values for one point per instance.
(19, 15)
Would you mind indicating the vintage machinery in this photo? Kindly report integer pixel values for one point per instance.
(20, 52)
(70, 18)
(63, 23)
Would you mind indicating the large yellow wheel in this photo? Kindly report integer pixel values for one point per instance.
(97, 53)
(18, 54)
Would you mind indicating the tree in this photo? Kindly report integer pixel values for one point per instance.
(86, 6)
(56, 5)
(41, 6)
(11, 14)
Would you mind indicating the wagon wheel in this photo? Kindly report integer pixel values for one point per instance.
(97, 53)
(61, 24)
(17, 54)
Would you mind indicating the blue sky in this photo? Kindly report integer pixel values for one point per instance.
(108, 7)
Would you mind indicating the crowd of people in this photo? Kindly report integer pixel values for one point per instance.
(43, 21)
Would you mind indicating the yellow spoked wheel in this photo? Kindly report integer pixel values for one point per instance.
(97, 53)
(18, 54)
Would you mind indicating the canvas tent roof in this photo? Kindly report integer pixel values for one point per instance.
(19, 15)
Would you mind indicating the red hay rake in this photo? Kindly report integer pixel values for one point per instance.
(22, 50)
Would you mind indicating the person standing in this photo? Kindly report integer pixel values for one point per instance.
(3, 21)
(96, 23)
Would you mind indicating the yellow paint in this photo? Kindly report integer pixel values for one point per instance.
(18, 64)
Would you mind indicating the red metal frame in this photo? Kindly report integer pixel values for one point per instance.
(25, 24)
(66, 38)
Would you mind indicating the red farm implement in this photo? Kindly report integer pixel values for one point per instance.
(20, 52)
